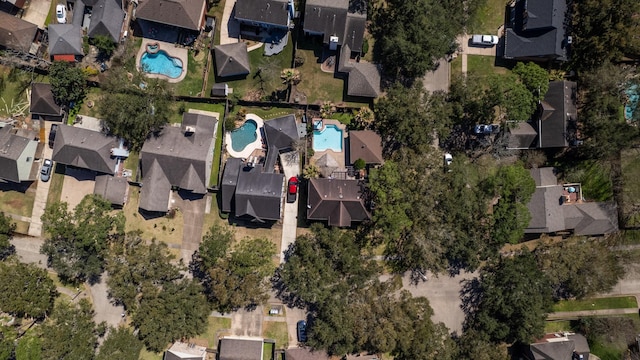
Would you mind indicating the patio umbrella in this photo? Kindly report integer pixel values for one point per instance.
(327, 165)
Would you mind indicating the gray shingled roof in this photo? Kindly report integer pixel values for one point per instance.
(42, 102)
(522, 136)
(229, 181)
(179, 156)
(364, 80)
(16, 155)
(113, 189)
(559, 348)
(270, 12)
(558, 107)
(331, 18)
(240, 349)
(16, 33)
(85, 149)
(598, 218)
(232, 59)
(365, 145)
(65, 39)
(106, 19)
(544, 176)
(259, 194)
(281, 132)
(156, 189)
(339, 202)
(186, 14)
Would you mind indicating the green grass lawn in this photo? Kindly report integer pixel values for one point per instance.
(191, 85)
(557, 326)
(55, 188)
(13, 92)
(595, 178)
(17, 199)
(215, 328)
(132, 164)
(217, 150)
(216, 11)
(488, 18)
(623, 302)
(630, 162)
(317, 85)
(277, 331)
(148, 355)
(481, 65)
(267, 351)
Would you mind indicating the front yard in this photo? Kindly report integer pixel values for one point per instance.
(17, 199)
(489, 18)
(623, 302)
(163, 229)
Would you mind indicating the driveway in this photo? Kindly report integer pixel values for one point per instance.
(247, 323)
(192, 207)
(78, 183)
(37, 12)
(293, 316)
(291, 166)
(439, 79)
(42, 191)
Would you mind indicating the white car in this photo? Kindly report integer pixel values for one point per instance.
(448, 159)
(484, 40)
(61, 14)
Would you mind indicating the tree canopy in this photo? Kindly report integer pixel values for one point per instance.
(78, 240)
(68, 83)
(7, 227)
(26, 290)
(120, 344)
(534, 78)
(233, 276)
(134, 108)
(70, 333)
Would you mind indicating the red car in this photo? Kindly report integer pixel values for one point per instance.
(293, 189)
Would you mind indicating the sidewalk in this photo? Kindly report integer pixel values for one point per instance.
(570, 315)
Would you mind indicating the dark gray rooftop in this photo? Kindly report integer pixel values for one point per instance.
(16, 33)
(364, 80)
(85, 149)
(272, 12)
(522, 136)
(42, 102)
(240, 349)
(339, 202)
(186, 14)
(305, 354)
(106, 19)
(332, 18)
(557, 108)
(281, 132)
(229, 181)
(65, 39)
(259, 194)
(112, 189)
(232, 59)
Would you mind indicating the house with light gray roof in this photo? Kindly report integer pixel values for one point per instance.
(17, 155)
(107, 17)
(85, 149)
(177, 157)
(362, 78)
(65, 39)
(232, 59)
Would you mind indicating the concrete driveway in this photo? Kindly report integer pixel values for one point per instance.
(37, 12)
(439, 79)
(78, 183)
(42, 191)
(192, 207)
(247, 323)
(293, 316)
(291, 166)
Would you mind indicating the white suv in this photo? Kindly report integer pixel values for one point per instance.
(484, 40)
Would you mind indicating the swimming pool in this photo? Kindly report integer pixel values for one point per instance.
(632, 104)
(328, 139)
(161, 63)
(244, 135)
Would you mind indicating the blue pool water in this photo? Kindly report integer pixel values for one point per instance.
(244, 135)
(328, 139)
(161, 63)
(632, 104)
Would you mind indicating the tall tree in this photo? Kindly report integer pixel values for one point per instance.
(233, 277)
(535, 78)
(7, 227)
(70, 333)
(7, 340)
(26, 290)
(29, 347)
(68, 83)
(78, 240)
(120, 344)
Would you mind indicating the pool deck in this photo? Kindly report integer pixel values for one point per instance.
(257, 144)
(172, 50)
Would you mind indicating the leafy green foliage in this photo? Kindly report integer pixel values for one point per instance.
(29, 347)
(7, 227)
(105, 45)
(68, 83)
(476, 345)
(78, 240)
(179, 310)
(233, 277)
(70, 333)
(120, 344)
(134, 108)
(7, 338)
(534, 78)
(359, 164)
(510, 301)
(26, 290)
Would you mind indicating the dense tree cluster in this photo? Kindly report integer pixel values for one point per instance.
(7, 227)
(26, 290)
(233, 276)
(68, 83)
(121, 344)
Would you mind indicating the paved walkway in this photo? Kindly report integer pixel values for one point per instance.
(229, 27)
(291, 165)
(37, 12)
(42, 191)
(569, 315)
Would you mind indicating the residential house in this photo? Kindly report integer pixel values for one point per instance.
(65, 42)
(179, 14)
(12, 6)
(558, 208)
(259, 194)
(241, 348)
(362, 78)
(229, 181)
(17, 154)
(266, 14)
(113, 189)
(85, 149)
(179, 157)
(559, 346)
(17, 34)
(553, 125)
(305, 354)
(43, 106)
(232, 60)
(280, 135)
(537, 30)
(107, 17)
(185, 351)
(339, 202)
(365, 145)
(336, 23)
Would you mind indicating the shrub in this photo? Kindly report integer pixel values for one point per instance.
(365, 47)
(359, 164)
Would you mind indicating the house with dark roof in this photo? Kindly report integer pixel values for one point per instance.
(107, 17)
(65, 42)
(559, 346)
(232, 59)
(267, 14)
(43, 106)
(229, 181)
(362, 78)
(185, 351)
(241, 348)
(182, 14)
(305, 354)
(17, 155)
(537, 30)
(552, 124)
(12, 6)
(179, 157)
(86, 149)
(17, 34)
(365, 145)
(557, 208)
(336, 23)
(336, 201)
(259, 194)
(113, 189)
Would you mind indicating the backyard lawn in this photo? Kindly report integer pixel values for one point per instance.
(317, 85)
(192, 83)
(13, 90)
(217, 151)
(161, 228)
(488, 18)
(267, 351)
(131, 163)
(148, 355)
(623, 302)
(276, 330)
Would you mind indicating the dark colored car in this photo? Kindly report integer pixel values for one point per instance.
(52, 135)
(292, 189)
(302, 331)
(45, 171)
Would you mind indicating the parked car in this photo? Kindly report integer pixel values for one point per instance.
(52, 134)
(293, 189)
(302, 331)
(45, 171)
(484, 40)
(486, 129)
(448, 159)
(61, 14)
